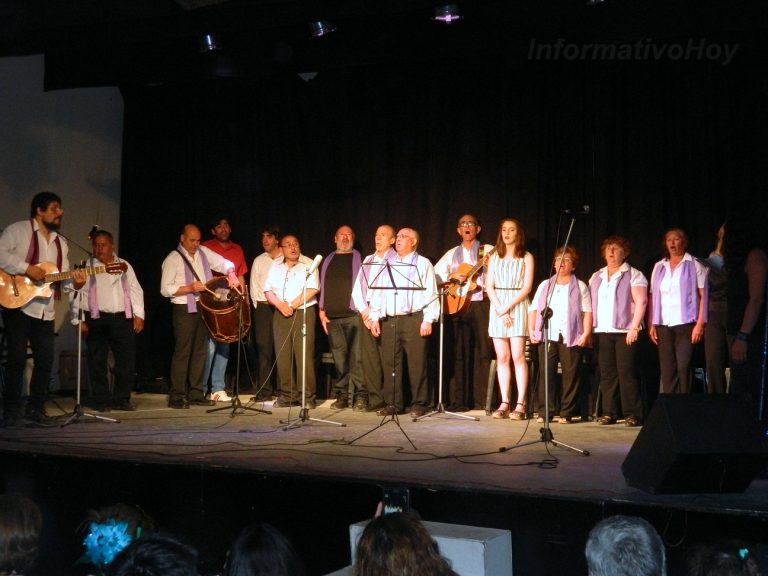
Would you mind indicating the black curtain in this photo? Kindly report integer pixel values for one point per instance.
(645, 144)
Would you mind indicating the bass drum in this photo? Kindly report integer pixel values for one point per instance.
(220, 306)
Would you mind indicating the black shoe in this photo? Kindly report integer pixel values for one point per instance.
(418, 411)
(341, 402)
(37, 417)
(124, 407)
(361, 404)
(375, 408)
(285, 403)
(101, 407)
(178, 404)
(202, 402)
(387, 411)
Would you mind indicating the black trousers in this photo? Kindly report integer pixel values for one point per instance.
(675, 353)
(289, 348)
(471, 356)
(370, 360)
(400, 337)
(618, 378)
(344, 341)
(21, 330)
(188, 363)
(567, 390)
(264, 343)
(111, 332)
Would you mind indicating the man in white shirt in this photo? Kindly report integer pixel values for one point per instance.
(284, 289)
(402, 314)
(468, 341)
(113, 306)
(185, 272)
(371, 275)
(262, 316)
(24, 247)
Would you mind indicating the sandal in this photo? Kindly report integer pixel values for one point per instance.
(502, 412)
(519, 414)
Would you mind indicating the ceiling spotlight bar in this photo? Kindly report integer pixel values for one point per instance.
(321, 28)
(209, 43)
(447, 13)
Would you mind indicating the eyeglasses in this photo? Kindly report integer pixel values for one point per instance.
(289, 245)
(405, 236)
(467, 224)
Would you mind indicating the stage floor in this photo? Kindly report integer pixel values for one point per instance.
(442, 452)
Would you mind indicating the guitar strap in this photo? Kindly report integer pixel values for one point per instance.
(33, 255)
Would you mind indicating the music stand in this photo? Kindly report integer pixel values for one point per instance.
(440, 408)
(303, 416)
(235, 403)
(77, 411)
(546, 436)
(406, 283)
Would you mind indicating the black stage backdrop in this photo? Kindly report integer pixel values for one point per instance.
(645, 144)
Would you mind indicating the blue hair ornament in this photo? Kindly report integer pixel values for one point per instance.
(105, 541)
(743, 553)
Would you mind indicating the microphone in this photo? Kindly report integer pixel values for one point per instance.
(584, 210)
(315, 264)
(93, 231)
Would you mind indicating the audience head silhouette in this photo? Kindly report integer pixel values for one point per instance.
(399, 545)
(20, 524)
(625, 546)
(155, 555)
(262, 550)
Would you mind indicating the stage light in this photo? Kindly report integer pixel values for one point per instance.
(321, 28)
(209, 43)
(447, 13)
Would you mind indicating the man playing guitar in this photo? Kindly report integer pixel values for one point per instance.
(461, 268)
(23, 246)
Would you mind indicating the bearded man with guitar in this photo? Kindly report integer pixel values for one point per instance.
(30, 250)
(461, 271)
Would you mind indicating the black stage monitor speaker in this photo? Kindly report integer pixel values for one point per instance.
(696, 443)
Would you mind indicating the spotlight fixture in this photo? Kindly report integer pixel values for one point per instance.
(447, 13)
(321, 28)
(209, 43)
(595, 2)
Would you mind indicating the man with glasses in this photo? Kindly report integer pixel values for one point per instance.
(468, 331)
(24, 246)
(402, 315)
(284, 289)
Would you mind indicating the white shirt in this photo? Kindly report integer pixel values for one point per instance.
(109, 292)
(558, 324)
(259, 272)
(416, 273)
(669, 290)
(175, 275)
(606, 296)
(287, 283)
(14, 247)
(369, 276)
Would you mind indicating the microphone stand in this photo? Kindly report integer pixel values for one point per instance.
(440, 408)
(303, 416)
(546, 436)
(78, 412)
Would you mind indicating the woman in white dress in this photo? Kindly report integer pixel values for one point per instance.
(509, 282)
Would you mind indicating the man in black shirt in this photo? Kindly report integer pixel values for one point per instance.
(340, 318)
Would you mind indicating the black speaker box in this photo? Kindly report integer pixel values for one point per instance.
(696, 443)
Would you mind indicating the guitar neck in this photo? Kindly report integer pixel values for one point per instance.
(89, 271)
(480, 262)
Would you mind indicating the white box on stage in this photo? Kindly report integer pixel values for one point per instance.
(472, 550)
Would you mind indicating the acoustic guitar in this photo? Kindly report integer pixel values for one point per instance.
(17, 290)
(458, 294)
